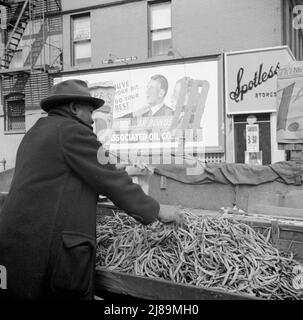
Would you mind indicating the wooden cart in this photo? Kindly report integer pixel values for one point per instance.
(286, 235)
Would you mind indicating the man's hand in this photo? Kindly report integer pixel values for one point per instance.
(169, 214)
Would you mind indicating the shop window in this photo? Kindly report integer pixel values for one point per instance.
(81, 38)
(15, 116)
(160, 35)
(263, 122)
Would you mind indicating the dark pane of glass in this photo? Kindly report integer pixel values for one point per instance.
(17, 123)
(83, 61)
(16, 115)
(264, 142)
(160, 47)
(82, 52)
(259, 116)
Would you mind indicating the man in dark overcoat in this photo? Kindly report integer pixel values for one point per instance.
(48, 221)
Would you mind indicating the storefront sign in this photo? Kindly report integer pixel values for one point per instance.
(251, 79)
(252, 137)
(162, 106)
(289, 104)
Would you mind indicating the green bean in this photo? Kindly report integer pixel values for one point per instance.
(212, 252)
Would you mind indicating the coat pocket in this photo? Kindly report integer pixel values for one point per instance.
(74, 266)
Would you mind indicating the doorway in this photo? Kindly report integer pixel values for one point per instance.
(263, 121)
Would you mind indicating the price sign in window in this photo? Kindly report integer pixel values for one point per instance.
(252, 137)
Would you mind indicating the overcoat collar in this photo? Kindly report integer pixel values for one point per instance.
(66, 114)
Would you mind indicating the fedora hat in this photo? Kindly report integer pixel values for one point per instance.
(68, 91)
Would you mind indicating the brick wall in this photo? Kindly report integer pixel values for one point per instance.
(35, 87)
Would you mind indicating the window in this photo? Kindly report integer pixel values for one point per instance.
(18, 59)
(160, 28)
(15, 115)
(292, 36)
(3, 17)
(81, 39)
(240, 122)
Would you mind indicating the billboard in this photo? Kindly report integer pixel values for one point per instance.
(289, 104)
(151, 108)
(251, 79)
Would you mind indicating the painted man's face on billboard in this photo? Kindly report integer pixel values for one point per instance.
(154, 93)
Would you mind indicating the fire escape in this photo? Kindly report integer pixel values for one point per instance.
(17, 33)
(22, 17)
(24, 69)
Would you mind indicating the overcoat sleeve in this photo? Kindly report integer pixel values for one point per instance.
(80, 149)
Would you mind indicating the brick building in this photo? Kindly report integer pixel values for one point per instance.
(31, 49)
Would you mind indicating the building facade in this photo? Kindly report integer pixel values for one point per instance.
(31, 49)
(111, 36)
(99, 31)
(194, 28)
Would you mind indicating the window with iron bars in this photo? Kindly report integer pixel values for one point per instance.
(15, 116)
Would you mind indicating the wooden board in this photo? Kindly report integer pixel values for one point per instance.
(277, 211)
(290, 146)
(154, 289)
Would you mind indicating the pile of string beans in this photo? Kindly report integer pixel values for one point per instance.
(213, 252)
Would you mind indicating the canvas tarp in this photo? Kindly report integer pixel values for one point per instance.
(287, 172)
